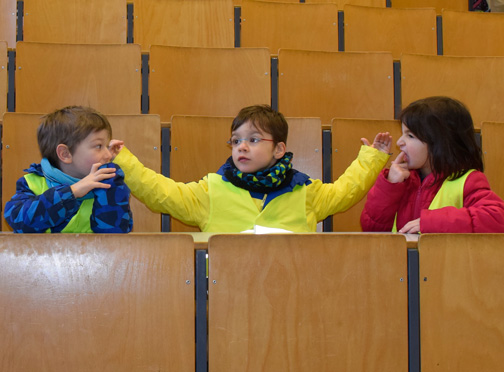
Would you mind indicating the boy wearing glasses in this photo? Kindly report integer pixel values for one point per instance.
(257, 185)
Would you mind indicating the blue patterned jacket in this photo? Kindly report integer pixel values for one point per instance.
(53, 209)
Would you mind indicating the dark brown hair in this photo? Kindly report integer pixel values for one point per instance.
(446, 126)
(69, 126)
(265, 118)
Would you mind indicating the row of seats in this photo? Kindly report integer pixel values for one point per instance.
(220, 81)
(318, 302)
(198, 146)
(205, 23)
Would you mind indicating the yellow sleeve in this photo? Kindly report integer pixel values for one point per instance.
(188, 202)
(325, 199)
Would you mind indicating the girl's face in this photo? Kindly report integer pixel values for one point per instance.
(415, 151)
(253, 150)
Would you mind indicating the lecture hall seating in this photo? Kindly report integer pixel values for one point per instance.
(461, 302)
(207, 81)
(3, 77)
(492, 135)
(439, 5)
(198, 147)
(278, 25)
(97, 302)
(8, 18)
(141, 133)
(346, 134)
(335, 84)
(461, 39)
(195, 23)
(476, 81)
(398, 31)
(105, 77)
(76, 21)
(323, 302)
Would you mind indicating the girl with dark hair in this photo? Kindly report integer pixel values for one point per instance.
(436, 184)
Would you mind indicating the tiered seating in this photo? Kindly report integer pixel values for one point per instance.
(439, 5)
(491, 143)
(8, 18)
(393, 30)
(95, 302)
(461, 39)
(332, 84)
(141, 134)
(195, 23)
(292, 26)
(346, 134)
(76, 21)
(476, 81)
(207, 81)
(3, 77)
(198, 147)
(461, 302)
(308, 303)
(105, 77)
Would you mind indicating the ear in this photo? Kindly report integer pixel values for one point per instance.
(64, 154)
(279, 151)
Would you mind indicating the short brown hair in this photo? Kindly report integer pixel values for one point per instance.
(265, 118)
(69, 126)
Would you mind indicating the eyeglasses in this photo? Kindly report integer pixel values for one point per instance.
(251, 141)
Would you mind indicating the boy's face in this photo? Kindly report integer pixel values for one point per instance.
(257, 152)
(93, 149)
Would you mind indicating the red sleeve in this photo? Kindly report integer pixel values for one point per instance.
(483, 211)
(382, 204)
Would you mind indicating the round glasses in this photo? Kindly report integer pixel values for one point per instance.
(251, 141)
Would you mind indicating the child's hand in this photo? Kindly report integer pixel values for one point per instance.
(115, 147)
(398, 169)
(412, 227)
(382, 142)
(92, 181)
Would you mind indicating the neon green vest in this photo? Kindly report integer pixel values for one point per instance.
(233, 210)
(80, 222)
(451, 194)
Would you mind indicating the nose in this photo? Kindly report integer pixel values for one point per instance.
(400, 141)
(107, 156)
(243, 145)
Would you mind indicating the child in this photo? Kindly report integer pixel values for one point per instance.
(436, 184)
(70, 191)
(257, 186)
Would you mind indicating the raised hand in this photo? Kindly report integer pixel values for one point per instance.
(115, 147)
(398, 169)
(92, 181)
(382, 142)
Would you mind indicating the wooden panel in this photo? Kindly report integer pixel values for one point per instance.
(106, 77)
(493, 153)
(461, 302)
(439, 5)
(459, 38)
(96, 302)
(345, 150)
(476, 81)
(195, 23)
(277, 25)
(326, 85)
(207, 81)
(319, 302)
(142, 134)
(393, 30)
(3, 77)
(199, 147)
(75, 21)
(8, 19)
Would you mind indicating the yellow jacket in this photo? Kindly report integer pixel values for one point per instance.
(191, 202)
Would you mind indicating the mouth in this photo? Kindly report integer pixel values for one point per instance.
(243, 159)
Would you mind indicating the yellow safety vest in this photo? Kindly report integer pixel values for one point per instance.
(451, 194)
(232, 209)
(79, 223)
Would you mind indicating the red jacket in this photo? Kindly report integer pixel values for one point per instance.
(483, 210)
